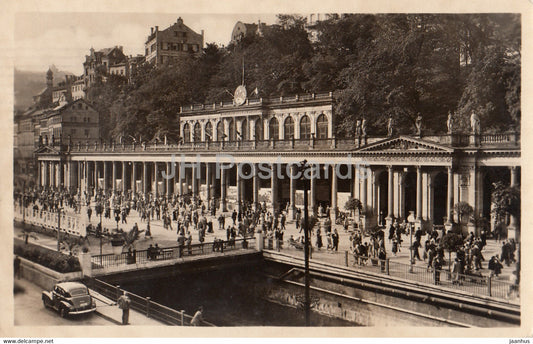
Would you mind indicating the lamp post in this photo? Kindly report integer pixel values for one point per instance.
(58, 226)
(411, 221)
(307, 301)
(100, 208)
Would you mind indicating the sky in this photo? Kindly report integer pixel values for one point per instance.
(63, 39)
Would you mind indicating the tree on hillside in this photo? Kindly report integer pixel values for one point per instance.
(506, 201)
(272, 61)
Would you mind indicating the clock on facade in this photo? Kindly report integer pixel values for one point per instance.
(240, 95)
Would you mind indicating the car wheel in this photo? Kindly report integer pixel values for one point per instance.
(45, 304)
(63, 312)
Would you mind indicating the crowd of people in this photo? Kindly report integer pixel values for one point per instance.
(186, 214)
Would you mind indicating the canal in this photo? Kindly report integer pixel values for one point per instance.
(229, 298)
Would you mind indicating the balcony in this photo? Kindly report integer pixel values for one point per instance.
(492, 141)
(259, 101)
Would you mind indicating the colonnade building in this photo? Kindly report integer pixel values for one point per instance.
(226, 150)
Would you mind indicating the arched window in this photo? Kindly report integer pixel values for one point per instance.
(259, 129)
(244, 129)
(186, 133)
(208, 131)
(322, 127)
(231, 130)
(197, 132)
(305, 127)
(289, 128)
(220, 131)
(273, 128)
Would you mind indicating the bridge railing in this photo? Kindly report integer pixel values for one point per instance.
(169, 253)
(467, 283)
(144, 305)
(40, 218)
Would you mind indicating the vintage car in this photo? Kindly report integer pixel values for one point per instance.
(69, 298)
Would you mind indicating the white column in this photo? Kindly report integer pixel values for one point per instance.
(456, 193)
(418, 193)
(356, 182)
(401, 194)
(95, 164)
(312, 188)
(134, 177)
(239, 186)
(273, 186)
(425, 196)
(223, 190)
(226, 130)
(145, 178)
(114, 180)
(168, 180)
(255, 186)
(472, 190)
(181, 171)
(363, 189)
(512, 230)
(124, 188)
(252, 128)
(292, 192)
(396, 198)
(155, 179)
(208, 181)
(80, 187)
(390, 196)
(105, 176)
(449, 197)
(333, 210)
(370, 191)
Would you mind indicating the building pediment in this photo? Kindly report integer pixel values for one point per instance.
(405, 144)
(47, 150)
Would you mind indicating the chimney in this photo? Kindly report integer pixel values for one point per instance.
(120, 47)
(151, 31)
(156, 28)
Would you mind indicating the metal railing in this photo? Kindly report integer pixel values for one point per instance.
(170, 253)
(40, 218)
(254, 101)
(476, 285)
(144, 305)
(457, 140)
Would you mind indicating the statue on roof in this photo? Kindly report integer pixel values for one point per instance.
(418, 124)
(358, 128)
(449, 122)
(475, 124)
(390, 127)
(363, 126)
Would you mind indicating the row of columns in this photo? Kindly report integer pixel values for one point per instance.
(85, 175)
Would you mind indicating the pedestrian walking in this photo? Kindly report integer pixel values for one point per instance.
(16, 267)
(198, 317)
(335, 237)
(318, 239)
(124, 303)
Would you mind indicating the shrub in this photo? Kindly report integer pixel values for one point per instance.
(56, 261)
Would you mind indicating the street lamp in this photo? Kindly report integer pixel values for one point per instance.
(100, 208)
(411, 220)
(58, 226)
(307, 302)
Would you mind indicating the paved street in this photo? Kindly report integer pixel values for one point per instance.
(29, 310)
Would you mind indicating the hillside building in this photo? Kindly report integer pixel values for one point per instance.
(168, 46)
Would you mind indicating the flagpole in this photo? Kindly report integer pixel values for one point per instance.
(243, 70)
